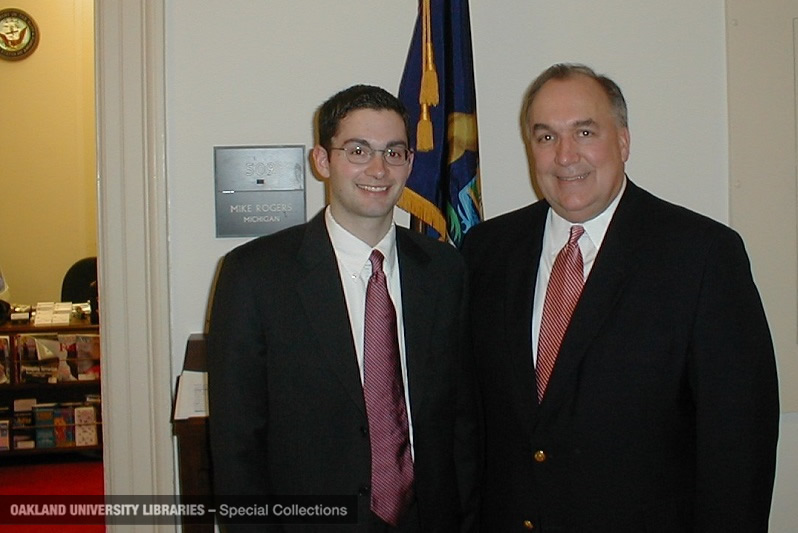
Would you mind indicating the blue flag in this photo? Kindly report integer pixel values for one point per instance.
(443, 191)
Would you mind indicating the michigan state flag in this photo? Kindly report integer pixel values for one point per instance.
(443, 191)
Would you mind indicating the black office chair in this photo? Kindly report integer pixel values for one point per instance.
(80, 281)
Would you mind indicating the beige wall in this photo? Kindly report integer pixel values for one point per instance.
(48, 206)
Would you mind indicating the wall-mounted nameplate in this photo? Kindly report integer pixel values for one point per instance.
(259, 189)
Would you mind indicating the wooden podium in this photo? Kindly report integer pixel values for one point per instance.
(193, 445)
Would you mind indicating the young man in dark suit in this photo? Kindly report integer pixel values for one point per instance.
(295, 407)
(654, 405)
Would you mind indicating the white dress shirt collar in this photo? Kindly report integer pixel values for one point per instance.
(354, 253)
(596, 228)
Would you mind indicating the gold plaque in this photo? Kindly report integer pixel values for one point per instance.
(19, 34)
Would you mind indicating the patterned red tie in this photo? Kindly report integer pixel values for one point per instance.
(565, 286)
(391, 462)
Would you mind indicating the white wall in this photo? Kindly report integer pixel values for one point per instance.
(783, 517)
(242, 72)
(669, 59)
(253, 73)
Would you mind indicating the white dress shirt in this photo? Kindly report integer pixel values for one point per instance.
(354, 267)
(555, 237)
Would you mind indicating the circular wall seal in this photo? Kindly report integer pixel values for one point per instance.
(19, 34)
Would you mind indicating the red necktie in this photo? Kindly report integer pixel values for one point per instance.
(565, 286)
(391, 462)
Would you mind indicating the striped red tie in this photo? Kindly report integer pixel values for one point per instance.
(391, 462)
(565, 286)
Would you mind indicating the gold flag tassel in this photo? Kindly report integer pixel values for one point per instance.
(429, 84)
(424, 142)
(429, 77)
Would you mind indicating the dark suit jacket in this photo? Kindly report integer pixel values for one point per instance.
(287, 414)
(662, 410)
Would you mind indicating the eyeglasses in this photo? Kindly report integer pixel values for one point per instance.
(360, 154)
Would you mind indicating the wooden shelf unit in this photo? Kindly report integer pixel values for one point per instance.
(64, 392)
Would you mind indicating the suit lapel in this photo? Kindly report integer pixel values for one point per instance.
(602, 290)
(322, 296)
(418, 314)
(519, 295)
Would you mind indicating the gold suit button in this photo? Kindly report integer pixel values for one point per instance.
(529, 525)
(540, 456)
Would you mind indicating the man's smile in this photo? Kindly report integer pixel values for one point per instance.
(374, 188)
(573, 178)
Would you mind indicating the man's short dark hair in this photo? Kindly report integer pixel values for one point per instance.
(356, 97)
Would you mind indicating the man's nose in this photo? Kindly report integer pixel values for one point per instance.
(376, 165)
(566, 153)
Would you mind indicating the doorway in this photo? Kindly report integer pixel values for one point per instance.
(49, 217)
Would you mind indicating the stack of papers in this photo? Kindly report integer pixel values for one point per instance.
(53, 313)
(192, 395)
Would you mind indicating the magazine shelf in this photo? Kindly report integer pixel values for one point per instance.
(50, 389)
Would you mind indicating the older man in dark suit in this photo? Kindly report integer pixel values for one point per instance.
(320, 381)
(627, 370)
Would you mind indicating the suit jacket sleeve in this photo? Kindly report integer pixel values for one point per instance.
(236, 385)
(734, 384)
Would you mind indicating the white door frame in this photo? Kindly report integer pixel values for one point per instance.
(132, 249)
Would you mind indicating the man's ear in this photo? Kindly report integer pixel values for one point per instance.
(321, 161)
(623, 141)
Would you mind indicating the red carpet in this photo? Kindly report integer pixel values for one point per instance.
(35, 475)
